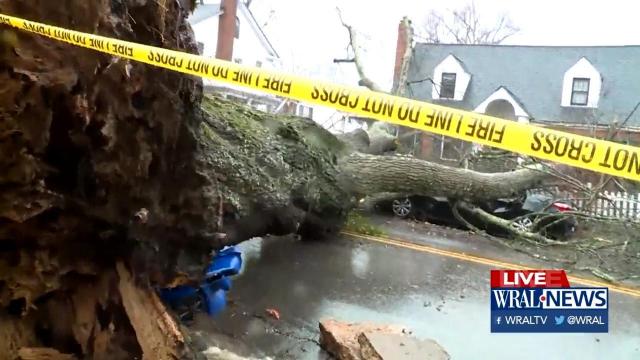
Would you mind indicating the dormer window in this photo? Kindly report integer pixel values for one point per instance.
(580, 91)
(448, 86)
(581, 85)
(450, 80)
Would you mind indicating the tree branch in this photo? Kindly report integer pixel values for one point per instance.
(456, 213)
(357, 59)
(505, 224)
(464, 26)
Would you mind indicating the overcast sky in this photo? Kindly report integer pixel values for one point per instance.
(308, 35)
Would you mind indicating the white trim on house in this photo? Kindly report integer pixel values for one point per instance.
(242, 7)
(211, 9)
(582, 69)
(503, 94)
(451, 65)
(199, 16)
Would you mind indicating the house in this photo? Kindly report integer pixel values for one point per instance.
(578, 89)
(247, 42)
(227, 30)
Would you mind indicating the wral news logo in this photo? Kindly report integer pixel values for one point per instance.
(543, 301)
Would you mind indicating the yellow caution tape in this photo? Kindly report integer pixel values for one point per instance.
(561, 147)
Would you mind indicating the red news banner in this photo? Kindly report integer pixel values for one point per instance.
(529, 278)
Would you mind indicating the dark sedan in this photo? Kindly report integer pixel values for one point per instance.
(531, 212)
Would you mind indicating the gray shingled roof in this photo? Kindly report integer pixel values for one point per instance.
(534, 74)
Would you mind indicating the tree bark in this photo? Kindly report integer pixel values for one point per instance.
(376, 141)
(157, 333)
(369, 174)
(43, 354)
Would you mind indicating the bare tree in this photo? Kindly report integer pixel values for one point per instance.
(465, 26)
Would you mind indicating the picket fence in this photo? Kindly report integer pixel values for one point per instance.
(608, 204)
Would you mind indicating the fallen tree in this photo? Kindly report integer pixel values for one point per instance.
(369, 174)
(119, 177)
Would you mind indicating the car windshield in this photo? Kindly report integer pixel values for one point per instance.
(537, 202)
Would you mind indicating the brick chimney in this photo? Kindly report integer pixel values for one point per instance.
(226, 29)
(405, 35)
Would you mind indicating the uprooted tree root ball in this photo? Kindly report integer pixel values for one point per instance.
(87, 141)
(106, 160)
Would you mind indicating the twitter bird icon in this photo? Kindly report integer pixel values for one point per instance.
(559, 319)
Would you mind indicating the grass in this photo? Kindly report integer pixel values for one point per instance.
(358, 223)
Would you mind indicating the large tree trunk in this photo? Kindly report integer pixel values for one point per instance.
(368, 174)
(116, 178)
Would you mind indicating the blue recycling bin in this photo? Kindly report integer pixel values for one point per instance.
(214, 300)
(227, 262)
(210, 295)
(175, 296)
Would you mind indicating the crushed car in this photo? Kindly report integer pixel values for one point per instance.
(534, 212)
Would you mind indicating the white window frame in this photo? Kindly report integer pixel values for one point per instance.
(453, 142)
(442, 87)
(574, 91)
(450, 65)
(582, 69)
(304, 111)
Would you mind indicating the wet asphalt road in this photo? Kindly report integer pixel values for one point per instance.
(436, 297)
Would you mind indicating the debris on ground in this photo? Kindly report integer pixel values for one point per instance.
(399, 347)
(273, 313)
(215, 353)
(340, 339)
(355, 341)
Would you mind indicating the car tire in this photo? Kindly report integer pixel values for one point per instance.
(401, 207)
(523, 224)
